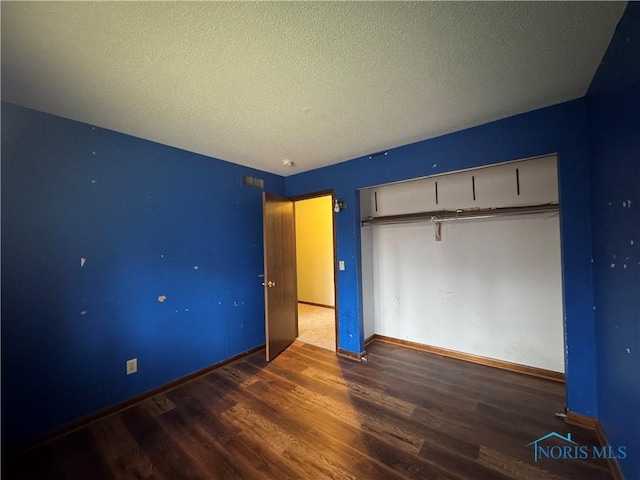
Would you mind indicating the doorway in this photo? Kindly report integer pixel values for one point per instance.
(315, 260)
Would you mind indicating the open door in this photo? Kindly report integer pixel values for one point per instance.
(280, 291)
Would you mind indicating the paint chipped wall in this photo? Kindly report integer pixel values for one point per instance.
(560, 128)
(116, 248)
(614, 136)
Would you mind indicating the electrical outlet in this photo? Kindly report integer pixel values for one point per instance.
(132, 366)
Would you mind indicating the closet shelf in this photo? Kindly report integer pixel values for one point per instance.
(467, 214)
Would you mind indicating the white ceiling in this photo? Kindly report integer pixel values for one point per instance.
(317, 83)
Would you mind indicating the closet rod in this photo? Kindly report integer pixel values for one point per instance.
(452, 215)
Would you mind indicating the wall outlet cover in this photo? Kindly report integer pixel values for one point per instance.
(132, 366)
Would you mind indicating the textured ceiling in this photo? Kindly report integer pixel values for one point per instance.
(317, 83)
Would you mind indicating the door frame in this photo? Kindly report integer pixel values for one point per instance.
(326, 193)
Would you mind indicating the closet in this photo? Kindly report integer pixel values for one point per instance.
(468, 261)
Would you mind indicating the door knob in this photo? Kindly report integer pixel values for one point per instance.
(271, 284)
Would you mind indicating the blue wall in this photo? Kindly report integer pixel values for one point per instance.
(562, 129)
(143, 215)
(614, 135)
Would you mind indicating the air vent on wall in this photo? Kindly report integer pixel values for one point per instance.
(253, 182)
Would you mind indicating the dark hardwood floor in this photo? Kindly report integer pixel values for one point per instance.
(310, 414)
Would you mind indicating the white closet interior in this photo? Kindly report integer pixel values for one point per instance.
(489, 283)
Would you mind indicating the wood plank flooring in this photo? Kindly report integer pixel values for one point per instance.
(404, 414)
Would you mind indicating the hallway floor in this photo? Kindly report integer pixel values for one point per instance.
(316, 326)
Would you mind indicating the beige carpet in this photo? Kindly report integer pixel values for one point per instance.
(316, 326)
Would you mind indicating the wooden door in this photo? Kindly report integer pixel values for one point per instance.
(280, 289)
